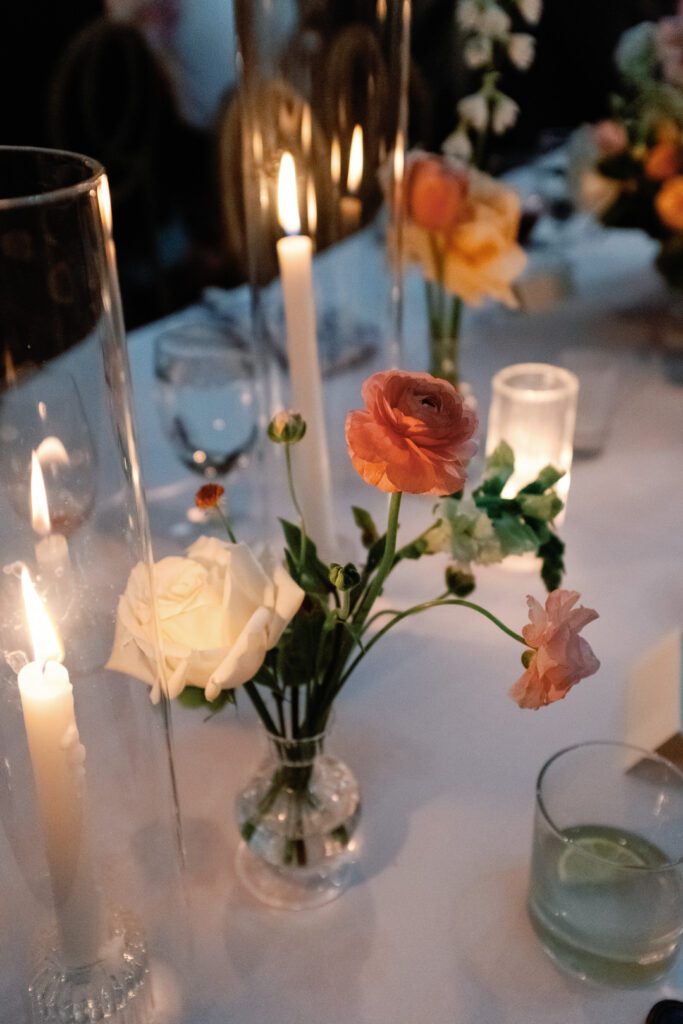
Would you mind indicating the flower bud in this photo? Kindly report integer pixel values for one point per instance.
(286, 427)
(528, 657)
(344, 577)
(209, 495)
(459, 582)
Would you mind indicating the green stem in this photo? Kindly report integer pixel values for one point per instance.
(294, 711)
(415, 610)
(226, 524)
(262, 711)
(387, 562)
(295, 502)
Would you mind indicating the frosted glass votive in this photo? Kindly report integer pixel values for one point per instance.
(533, 408)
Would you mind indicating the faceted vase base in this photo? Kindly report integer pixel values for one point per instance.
(289, 888)
(116, 989)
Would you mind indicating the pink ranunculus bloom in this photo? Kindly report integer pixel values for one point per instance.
(415, 435)
(669, 42)
(561, 658)
(610, 137)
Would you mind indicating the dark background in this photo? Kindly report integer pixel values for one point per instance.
(68, 80)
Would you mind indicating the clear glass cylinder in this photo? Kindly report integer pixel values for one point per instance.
(533, 408)
(320, 123)
(606, 887)
(89, 839)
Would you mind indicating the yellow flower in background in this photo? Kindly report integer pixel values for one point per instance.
(669, 203)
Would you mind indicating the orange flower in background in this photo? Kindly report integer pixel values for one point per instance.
(663, 161)
(560, 658)
(669, 203)
(415, 435)
(435, 192)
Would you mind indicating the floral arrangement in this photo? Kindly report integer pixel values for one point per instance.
(230, 618)
(460, 225)
(631, 166)
(289, 633)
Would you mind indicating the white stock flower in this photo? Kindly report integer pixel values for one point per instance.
(220, 610)
(458, 144)
(474, 111)
(530, 10)
(521, 50)
(505, 112)
(468, 13)
(494, 21)
(478, 51)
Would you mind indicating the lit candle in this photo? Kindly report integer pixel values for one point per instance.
(311, 457)
(57, 758)
(351, 207)
(52, 552)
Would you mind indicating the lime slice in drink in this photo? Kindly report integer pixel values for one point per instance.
(604, 859)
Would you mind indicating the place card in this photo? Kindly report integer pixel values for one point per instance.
(655, 699)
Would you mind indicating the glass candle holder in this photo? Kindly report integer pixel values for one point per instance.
(606, 887)
(320, 122)
(89, 842)
(533, 409)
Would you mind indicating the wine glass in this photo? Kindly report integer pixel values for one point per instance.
(206, 394)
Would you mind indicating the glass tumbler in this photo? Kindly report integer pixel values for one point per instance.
(606, 887)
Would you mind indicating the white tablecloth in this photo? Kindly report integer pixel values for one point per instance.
(435, 930)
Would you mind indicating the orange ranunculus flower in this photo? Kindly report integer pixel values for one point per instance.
(481, 257)
(560, 658)
(663, 161)
(669, 203)
(435, 192)
(414, 436)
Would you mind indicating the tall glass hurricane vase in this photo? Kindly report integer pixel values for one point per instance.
(86, 776)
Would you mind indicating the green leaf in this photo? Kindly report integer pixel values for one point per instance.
(501, 458)
(193, 697)
(375, 554)
(541, 506)
(516, 538)
(366, 525)
(553, 567)
(548, 477)
(298, 647)
(313, 575)
(414, 550)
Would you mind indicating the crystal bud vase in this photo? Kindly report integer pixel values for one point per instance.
(298, 818)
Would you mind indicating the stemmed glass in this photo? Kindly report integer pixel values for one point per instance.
(207, 400)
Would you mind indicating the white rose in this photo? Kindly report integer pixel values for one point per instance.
(530, 10)
(220, 610)
(521, 50)
(474, 110)
(505, 112)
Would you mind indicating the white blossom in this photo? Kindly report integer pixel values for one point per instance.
(478, 51)
(494, 21)
(474, 111)
(458, 144)
(505, 113)
(530, 10)
(468, 13)
(521, 50)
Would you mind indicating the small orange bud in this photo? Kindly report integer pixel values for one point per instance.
(209, 495)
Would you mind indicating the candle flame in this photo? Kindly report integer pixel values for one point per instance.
(355, 172)
(45, 640)
(287, 201)
(311, 207)
(40, 512)
(335, 160)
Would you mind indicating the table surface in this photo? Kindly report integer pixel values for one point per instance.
(434, 930)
